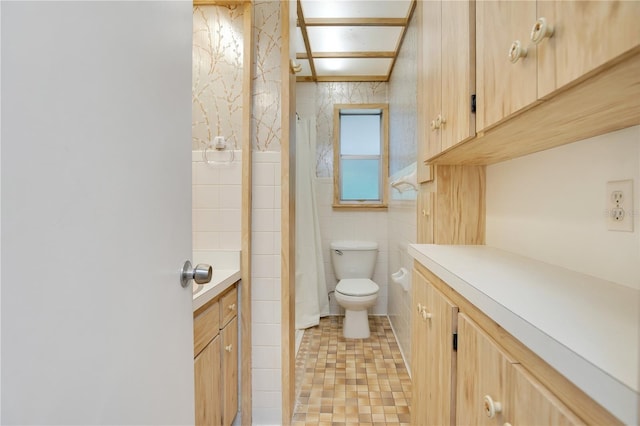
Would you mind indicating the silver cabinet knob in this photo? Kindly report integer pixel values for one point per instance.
(201, 274)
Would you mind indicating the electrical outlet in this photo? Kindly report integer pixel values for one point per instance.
(620, 205)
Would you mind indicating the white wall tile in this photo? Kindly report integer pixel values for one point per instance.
(230, 196)
(263, 197)
(267, 380)
(265, 334)
(206, 196)
(206, 220)
(264, 174)
(266, 357)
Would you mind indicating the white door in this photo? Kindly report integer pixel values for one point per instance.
(96, 213)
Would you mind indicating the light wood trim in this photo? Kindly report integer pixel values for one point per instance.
(222, 2)
(356, 22)
(245, 256)
(604, 101)
(206, 326)
(384, 156)
(352, 78)
(305, 39)
(367, 54)
(361, 207)
(459, 209)
(412, 8)
(287, 268)
(577, 401)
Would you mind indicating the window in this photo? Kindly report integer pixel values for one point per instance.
(360, 155)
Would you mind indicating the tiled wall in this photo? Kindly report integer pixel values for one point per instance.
(352, 225)
(265, 278)
(217, 198)
(402, 207)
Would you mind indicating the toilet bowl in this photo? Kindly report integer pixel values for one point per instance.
(353, 263)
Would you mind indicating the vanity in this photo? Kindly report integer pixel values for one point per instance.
(505, 339)
(215, 347)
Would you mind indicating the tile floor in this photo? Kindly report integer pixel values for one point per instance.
(342, 382)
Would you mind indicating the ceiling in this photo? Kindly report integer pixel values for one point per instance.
(350, 40)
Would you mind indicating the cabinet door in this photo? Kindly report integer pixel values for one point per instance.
(586, 35)
(433, 358)
(418, 351)
(207, 384)
(458, 72)
(431, 65)
(441, 321)
(230, 371)
(533, 404)
(482, 374)
(503, 87)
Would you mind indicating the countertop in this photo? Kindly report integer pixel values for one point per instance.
(587, 328)
(222, 279)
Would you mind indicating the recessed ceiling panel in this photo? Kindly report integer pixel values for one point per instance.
(300, 48)
(352, 66)
(355, 9)
(353, 39)
(306, 68)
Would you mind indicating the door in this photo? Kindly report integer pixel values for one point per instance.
(96, 213)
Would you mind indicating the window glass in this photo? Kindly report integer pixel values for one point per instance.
(360, 179)
(360, 134)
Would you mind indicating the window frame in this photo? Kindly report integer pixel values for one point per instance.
(338, 203)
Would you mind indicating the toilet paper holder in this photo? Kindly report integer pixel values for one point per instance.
(402, 277)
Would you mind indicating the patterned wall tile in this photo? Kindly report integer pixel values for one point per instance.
(267, 80)
(217, 75)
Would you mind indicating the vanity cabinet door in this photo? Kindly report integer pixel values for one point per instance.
(533, 404)
(230, 371)
(207, 384)
(433, 358)
(482, 391)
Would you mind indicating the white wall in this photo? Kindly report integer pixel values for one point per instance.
(352, 225)
(265, 294)
(402, 207)
(551, 206)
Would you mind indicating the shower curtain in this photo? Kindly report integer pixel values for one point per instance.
(311, 288)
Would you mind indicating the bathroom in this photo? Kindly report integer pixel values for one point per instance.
(392, 229)
(272, 369)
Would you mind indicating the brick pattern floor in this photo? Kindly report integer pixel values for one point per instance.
(343, 382)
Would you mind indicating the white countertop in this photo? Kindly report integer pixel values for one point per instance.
(226, 272)
(222, 279)
(585, 327)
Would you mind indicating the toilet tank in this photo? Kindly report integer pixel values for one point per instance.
(354, 259)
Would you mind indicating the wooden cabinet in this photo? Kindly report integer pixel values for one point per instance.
(495, 390)
(586, 35)
(482, 372)
(216, 360)
(207, 384)
(447, 67)
(528, 50)
(433, 358)
(492, 378)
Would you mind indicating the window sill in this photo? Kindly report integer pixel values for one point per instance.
(360, 207)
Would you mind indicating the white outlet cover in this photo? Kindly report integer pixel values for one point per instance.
(613, 203)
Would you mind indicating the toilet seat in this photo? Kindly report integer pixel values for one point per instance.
(358, 287)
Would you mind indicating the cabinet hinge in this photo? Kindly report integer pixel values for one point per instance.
(455, 341)
(473, 103)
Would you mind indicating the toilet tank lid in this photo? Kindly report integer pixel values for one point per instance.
(354, 245)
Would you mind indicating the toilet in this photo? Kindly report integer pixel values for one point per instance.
(353, 263)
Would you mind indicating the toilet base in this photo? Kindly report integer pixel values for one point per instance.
(356, 324)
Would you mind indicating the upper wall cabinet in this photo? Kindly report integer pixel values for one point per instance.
(527, 50)
(575, 37)
(447, 62)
